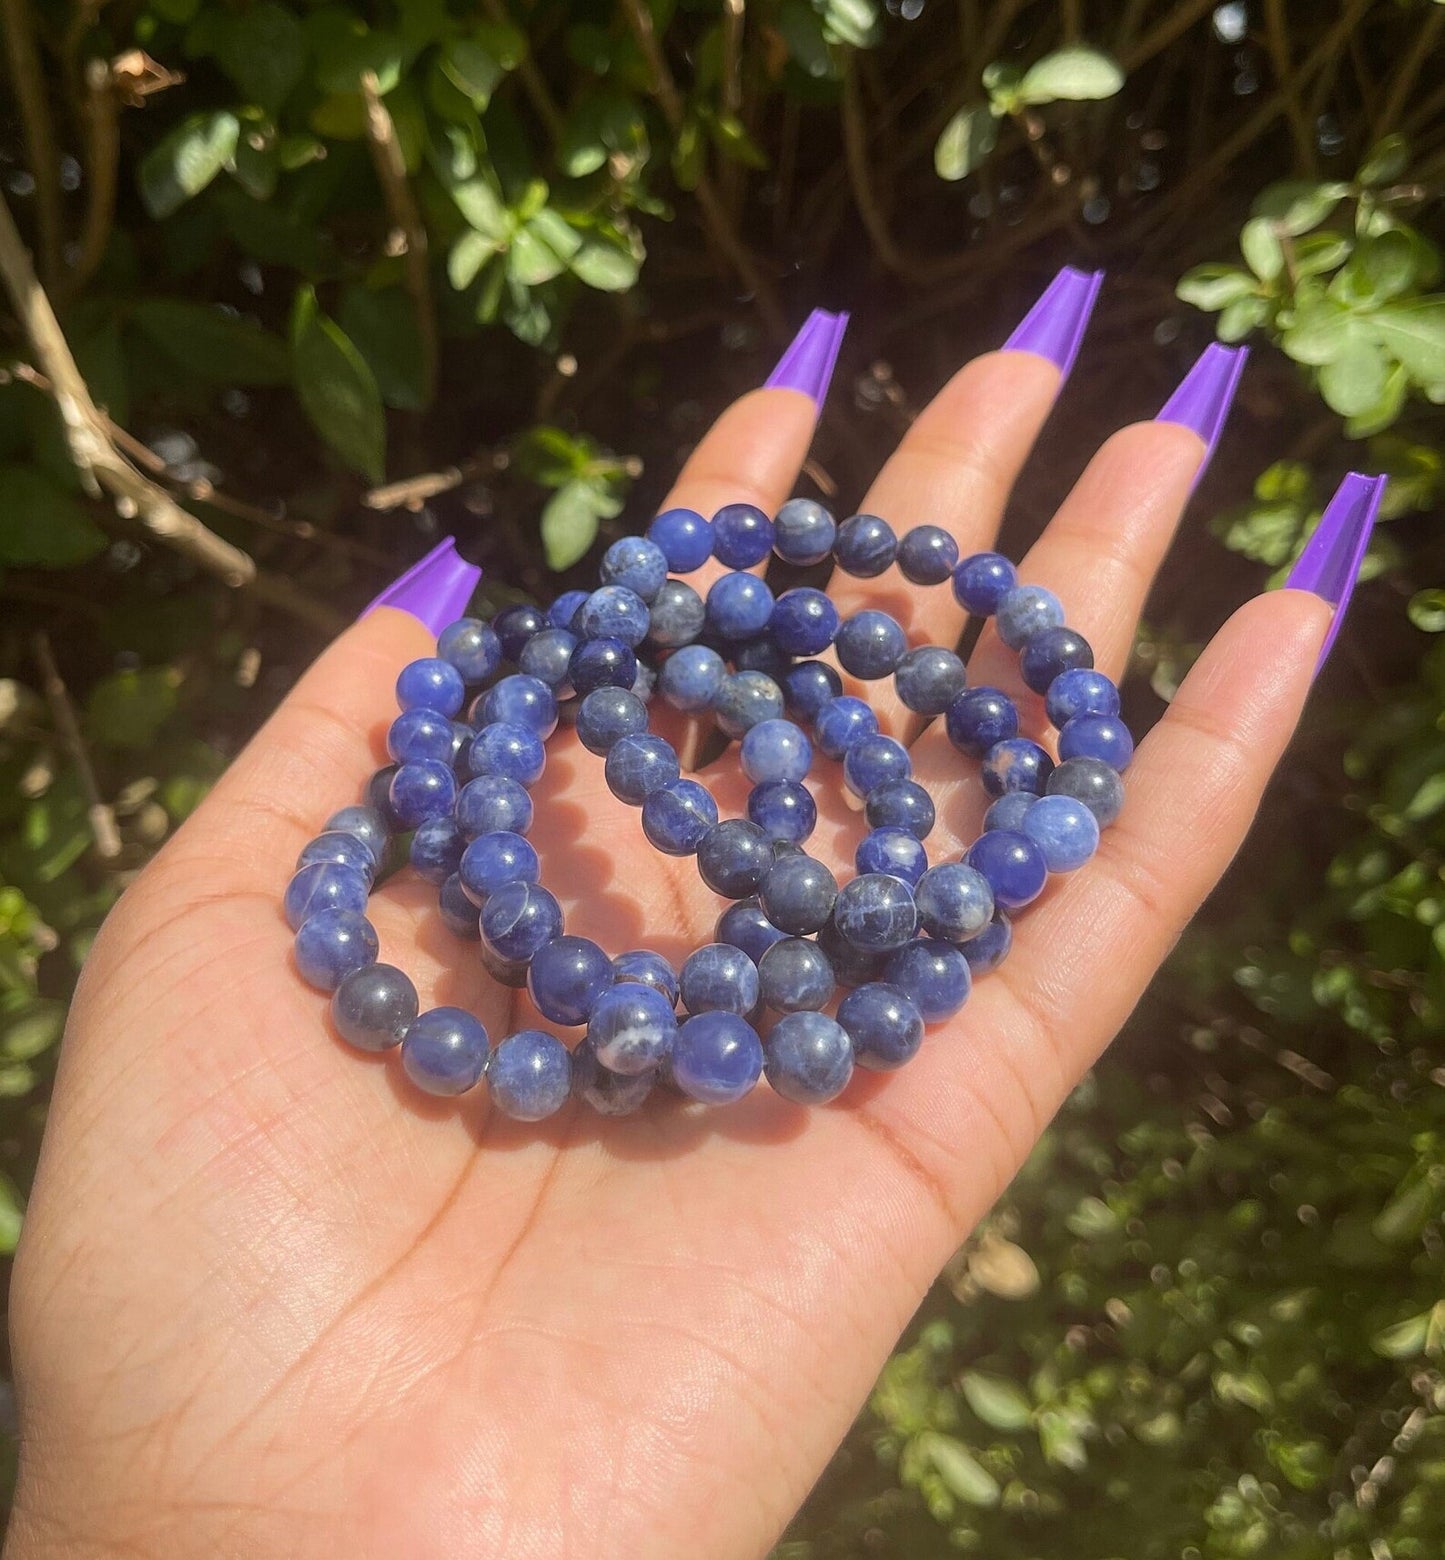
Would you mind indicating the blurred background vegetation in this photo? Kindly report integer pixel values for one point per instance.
(328, 280)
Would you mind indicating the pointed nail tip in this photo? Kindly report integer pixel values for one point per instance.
(1202, 400)
(435, 590)
(1330, 564)
(808, 362)
(1054, 327)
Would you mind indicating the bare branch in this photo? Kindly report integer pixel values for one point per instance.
(103, 826)
(27, 76)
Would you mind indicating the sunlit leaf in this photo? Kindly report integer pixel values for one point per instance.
(1077, 74)
(182, 164)
(966, 141)
(337, 389)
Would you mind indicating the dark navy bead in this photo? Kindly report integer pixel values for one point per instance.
(601, 663)
(614, 612)
(548, 657)
(513, 752)
(982, 581)
(742, 535)
(784, 810)
(521, 701)
(1104, 737)
(717, 1058)
(927, 555)
(518, 919)
(851, 966)
(648, 969)
(866, 546)
(795, 974)
(492, 802)
(876, 912)
(631, 1028)
(607, 1092)
(332, 943)
(638, 765)
(691, 679)
(1027, 610)
(1096, 784)
(874, 761)
(894, 851)
(761, 655)
(365, 824)
(463, 735)
(739, 606)
(808, 686)
(1009, 810)
(529, 1075)
(676, 817)
(426, 789)
(678, 615)
(420, 733)
(684, 537)
(809, 1058)
(803, 532)
(436, 849)
(955, 901)
(743, 700)
(733, 858)
(565, 608)
(372, 1007)
(458, 913)
(607, 715)
(1064, 829)
(1013, 865)
(432, 683)
(990, 948)
(511, 973)
(1050, 654)
(870, 645)
(472, 647)
(1016, 764)
(327, 886)
(804, 621)
(719, 977)
(775, 750)
(637, 563)
(377, 797)
(1080, 692)
(884, 1025)
(901, 804)
(745, 926)
(798, 893)
(934, 974)
(841, 722)
(444, 1051)
(494, 859)
(929, 679)
(566, 978)
(339, 849)
(978, 718)
(515, 625)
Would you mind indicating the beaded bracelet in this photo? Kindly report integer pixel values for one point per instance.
(906, 936)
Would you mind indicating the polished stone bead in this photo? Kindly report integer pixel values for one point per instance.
(565, 608)
(978, 718)
(518, 918)
(420, 733)
(607, 1092)
(685, 538)
(425, 789)
(990, 948)
(1009, 810)
(733, 858)
(548, 657)
(808, 686)
(803, 532)
(955, 901)
(366, 824)
(511, 973)
(637, 765)
(529, 1075)
(742, 535)
(607, 715)
(614, 612)
(377, 798)
(884, 1025)
(678, 615)
(637, 563)
(566, 977)
(1050, 654)
(1096, 784)
(892, 851)
(463, 735)
(1080, 692)
(744, 700)
(870, 644)
(491, 860)
(472, 647)
(325, 886)
(874, 761)
(876, 912)
(332, 943)
(512, 752)
(676, 816)
(744, 926)
(1016, 764)
(1013, 865)
(1064, 829)
(866, 546)
(436, 849)
(798, 893)
(981, 582)
(851, 966)
(631, 1028)
(929, 679)
(1104, 737)
(900, 804)
(691, 678)
(739, 606)
(934, 974)
(372, 1007)
(804, 621)
(795, 974)
(515, 626)
(433, 684)
(717, 1058)
(719, 977)
(784, 810)
(458, 913)
(760, 655)
(1027, 610)
(601, 663)
(648, 969)
(840, 723)
(340, 849)
(521, 701)
(927, 555)
(809, 1058)
(775, 750)
(492, 802)
(444, 1051)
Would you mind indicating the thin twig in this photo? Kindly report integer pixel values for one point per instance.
(1276, 27)
(730, 96)
(533, 82)
(1174, 25)
(413, 492)
(103, 828)
(855, 145)
(101, 112)
(1402, 84)
(28, 77)
(278, 591)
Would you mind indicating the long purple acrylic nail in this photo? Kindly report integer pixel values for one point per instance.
(1055, 326)
(808, 363)
(1205, 394)
(1330, 562)
(435, 590)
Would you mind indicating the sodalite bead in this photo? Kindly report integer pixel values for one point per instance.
(637, 563)
(638, 765)
(900, 804)
(1027, 610)
(739, 606)
(809, 1058)
(444, 1051)
(1064, 829)
(884, 1025)
(719, 977)
(691, 678)
(425, 789)
(874, 761)
(614, 612)
(631, 1028)
(529, 1075)
(1052, 653)
(876, 912)
(927, 555)
(808, 686)
(338, 848)
(929, 679)
(734, 857)
(1016, 764)
(744, 926)
(493, 802)
(647, 968)
(978, 718)
(601, 663)
(324, 886)
(372, 1007)
(866, 546)
(795, 974)
(775, 750)
(332, 943)
(463, 735)
(678, 615)
(1080, 692)
(420, 733)
(520, 700)
(494, 859)
(982, 581)
(784, 810)
(377, 795)
(851, 966)
(716, 1058)
(512, 752)
(511, 973)
(990, 948)
(515, 625)
(472, 647)
(742, 535)
(840, 723)
(365, 824)
(676, 816)
(955, 901)
(1009, 810)
(1096, 784)
(565, 608)
(607, 715)
(518, 919)
(804, 621)
(744, 700)
(1013, 865)
(458, 913)
(685, 538)
(432, 683)
(566, 978)
(436, 849)
(894, 851)
(548, 657)
(798, 893)
(1104, 737)
(871, 644)
(803, 531)
(761, 655)
(934, 974)
(607, 1092)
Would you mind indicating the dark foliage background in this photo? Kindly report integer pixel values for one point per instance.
(332, 279)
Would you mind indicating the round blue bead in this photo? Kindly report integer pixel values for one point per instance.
(676, 816)
(458, 913)
(566, 977)
(841, 722)
(719, 977)
(472, 647)
(760, 655)
(745, 926)
(809, 1058)
(733, 858)
(1104, 737)
(521, 701)
(691, 678)
(795, 974)
(716, 1058)
(377, 797)
(515, 625)
(884, 1025)
(463, 735)
(372, 1007)
(649, 969)
(1050, 654)
(798, 893)
(607, 715)
(494, 859)
(513, 752)
(565, 608)
(614, 612)
(783, 810)
(851, 966)
(425, 789)
(900, 804)
(420, 733)
(981, 582)
(894, 851)
(678, 615)
(804, 621)
(803, 531)
(436, 849)
(978, 718)
(1013, 865)
(684, 537)
(1080, 692)
(332, 943)
(1027, 610)
(1064, 829)
(743, 700)
(324, 886)
(607, 1092)
(1096, 784)
(1016, 764)
(637, 765)
(444, 1051)
(631, 1029)
(530, 1075)
(927, 555)
(954, 901)
(432, 683)
(874, 761)
(338, 848)
(365, 824)
(601, 663)
(1009, 810)
(934, 974)
(492, 802)
(866, 546)
(637, 563)
(990, 948)
(870, 644)
(511, 973)
(808, 686)
(548, 657)
(929, 679)
(739, 606)
(775, 750)
(742, 535)
(876, 912)
(518, 919)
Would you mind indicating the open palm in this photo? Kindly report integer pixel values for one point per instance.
(271, 1300)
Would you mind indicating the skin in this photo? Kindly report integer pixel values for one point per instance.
(270, 1300)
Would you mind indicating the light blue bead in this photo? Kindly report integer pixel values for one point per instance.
(1027, 610)
(870, 645)
(678, 615)
(840, 723)
(472, 647)
(614, 612)
(433, 683)
(340, 849)
(444, 1051)
(676, 816)
(1016, 764)
(884, 1025)
(929, 679)
(494, 859)
(425, 789)
(804, 621)
(775, 750)
(955, 901)
(876, 912)
(566, 978)
(650, 969)
(637, 563)
(874, 761)
(685, 538)
(717, 1058)
(1064, 829)
(784, 810)
(637, 765)
(436, 849)
(893, 851)
(631, 1029)
(1104, 737)
(530, 1075)
(719, 977)
(745, 699)
(513, 752)
(809, 1058)
(607, 1092)
(519, 918)
(745, 926)
(492, 802)
(1009, 811)
(934, 974)
(795, 974)
(520, 700)
(739, 606)
(803, 531)
(691, 678)
(1082, 691)
(420, 733)
(332, 943)
(324, 886)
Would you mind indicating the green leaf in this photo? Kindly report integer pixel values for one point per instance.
(733, 141)
(11, 1214)
(255, 167)
(1260, 246)
(1385, 161)
(1249, 1388)
(1295, 206)
(1382, 412)
(609, 267)
(1214, 286)
(382, 323)
(851, 22)
(1320, 334)
(128, 709)
(1060, 1441)
(802, 30)
(41, 525)
(1237, 319)
(467, 257)
(959, 1469)
(1092, 1219)
(600, 125)
(185, 161)
(32, 1029)
(337, 390)
(1414, 333)
(966, 141)
(472, 70)
(1403, 1340)
(569, 523)
(215, 346)
(263, 50)
(1427, 611)
(346, 48)
(542, 249)
(1353, 381)
(1413, 1206)
(1316, 253)
(1079, 74)
(997, 1400)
